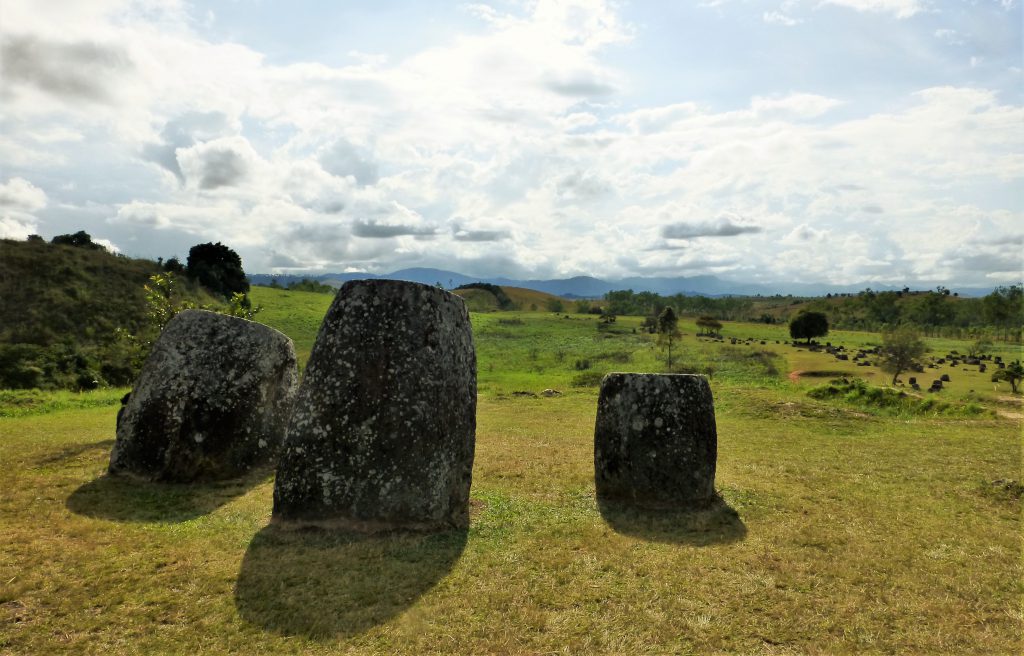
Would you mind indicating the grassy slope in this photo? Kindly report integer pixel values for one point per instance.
(856, 532)
(50, 293)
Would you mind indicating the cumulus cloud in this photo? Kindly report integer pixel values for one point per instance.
(343, 158)
(579, 84)
(19, 198)
(387, 161)
(460, 233)
(374, 230)
(803, 234)
(725, 225)
(20, 194)
(185, 131)
(71, 71)
(806, 105)
(224, 162)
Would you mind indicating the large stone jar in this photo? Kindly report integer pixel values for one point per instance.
(384, 426)
(212, 401)
(655, 441)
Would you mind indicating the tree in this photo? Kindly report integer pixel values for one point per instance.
(1013, 374)
(555, 305)
(808, 325)
(901, 348)
(668, 330)
(980, 346)
(80, 239)
(708, 324)
(218, 268)
(607, 316)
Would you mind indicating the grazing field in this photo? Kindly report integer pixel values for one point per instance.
(847, 528)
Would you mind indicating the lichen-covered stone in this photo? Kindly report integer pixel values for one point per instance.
(384, 426)
(212, 401)
(655, 441)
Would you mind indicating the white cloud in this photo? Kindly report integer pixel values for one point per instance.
(898, 8)
(779, 18)
(515, 148)
(806, 105)
(20, 194)
(19, 199)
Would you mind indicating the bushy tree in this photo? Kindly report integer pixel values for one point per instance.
(80, 239)
(218, 268)
(709, 325)
(808, 325)
(901, 348)
(668, 331)
(1013, 373)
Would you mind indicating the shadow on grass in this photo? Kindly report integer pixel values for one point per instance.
(128, 499)
(326, 583)
(73, 451)
(715, 523)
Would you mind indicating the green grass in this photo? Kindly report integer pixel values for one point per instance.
(845, 530)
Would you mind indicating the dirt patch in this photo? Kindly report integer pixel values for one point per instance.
(794, 376)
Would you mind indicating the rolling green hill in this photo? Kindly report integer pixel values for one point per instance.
(61, 307)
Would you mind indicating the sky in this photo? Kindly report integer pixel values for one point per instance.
(835, 141)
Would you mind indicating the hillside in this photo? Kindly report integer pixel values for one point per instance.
(527, 300)
(60, 308)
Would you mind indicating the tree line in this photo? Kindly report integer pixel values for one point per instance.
(997, 315)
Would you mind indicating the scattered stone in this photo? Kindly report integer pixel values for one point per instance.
(212, 401)
(912, 380)
(944, 378)
(550, 392)
(383, 431)
(655, 441)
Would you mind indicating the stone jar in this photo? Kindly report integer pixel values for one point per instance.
(384, 426)
(655, 440)
(212, 401)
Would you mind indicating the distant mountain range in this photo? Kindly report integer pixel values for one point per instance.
(588, 287)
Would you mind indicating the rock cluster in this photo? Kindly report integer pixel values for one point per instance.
(383, 431)
(212, 401)
(655, 440)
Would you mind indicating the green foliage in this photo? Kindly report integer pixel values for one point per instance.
(668, 331)
(240, 306)
(217, 268)
(648, 303)
(555, 305)
(80, 239)
(306, 285)
(66, 312)
(901, 349)
(886, 400)
(709, 325)
(808, 325)
(1013, 373)
(504, 302)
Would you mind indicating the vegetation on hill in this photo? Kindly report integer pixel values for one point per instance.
(484, 297)
(63, 309)
(503, 301)
(75, 316)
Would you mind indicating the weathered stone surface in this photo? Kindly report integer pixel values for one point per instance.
(384, 426)
(212, 401)
(655, 440)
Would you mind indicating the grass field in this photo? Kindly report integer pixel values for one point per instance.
(848, 529)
